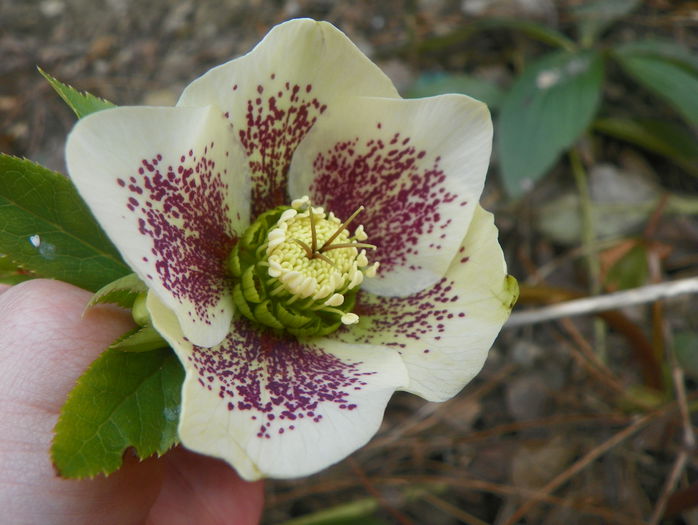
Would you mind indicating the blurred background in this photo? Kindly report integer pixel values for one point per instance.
(590, 420)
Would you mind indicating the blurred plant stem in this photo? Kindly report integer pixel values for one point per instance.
(362, 509)
(589, 242)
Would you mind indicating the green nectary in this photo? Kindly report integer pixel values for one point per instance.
(297, 270)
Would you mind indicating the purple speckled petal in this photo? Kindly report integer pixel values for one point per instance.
(418, 166)
(443, 333)
(274, 95)
(169, 187)
(275, 406)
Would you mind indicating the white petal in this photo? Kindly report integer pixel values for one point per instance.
(418, 166)
(444, 332)
(169, 188)
(277, 407)
(274, 95)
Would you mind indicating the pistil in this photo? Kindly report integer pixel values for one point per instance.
(341, 228)
(300, 268)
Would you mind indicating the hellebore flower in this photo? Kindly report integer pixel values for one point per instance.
(256, 211)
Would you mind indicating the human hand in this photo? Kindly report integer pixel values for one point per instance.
(45, 344)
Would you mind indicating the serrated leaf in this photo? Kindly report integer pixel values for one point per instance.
(141, 339)
(123, 400)
(544, 113)
(595, 17)
(81, 102)
(673, 83)
(11, 273)
(658, 136)
(46, 228)
(122, 292)
(428, 85)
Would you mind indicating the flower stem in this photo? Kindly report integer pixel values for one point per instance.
(589, 241)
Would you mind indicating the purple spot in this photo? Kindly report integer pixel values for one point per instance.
(186, 219)
(274, 126)
(277, 378)
(414, 317)
(387, 175)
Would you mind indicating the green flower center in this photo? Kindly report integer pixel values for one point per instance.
(298, 269)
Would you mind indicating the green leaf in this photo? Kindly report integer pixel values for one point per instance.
(544, 113)
(595, 17)
(431, 84)
(123, 400)
(658, 136)
(46, 228)
(141, 339)
(461, 34)
(686, 349)
(11, 273)
(354, 512)
(540, 32)
(631, 271)
(673, 83)
(82, 103)
(123, 292)
(668, 50)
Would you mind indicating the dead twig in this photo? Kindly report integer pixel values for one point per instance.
(612, 301)
(579, 465)
(452, 510)
(583, 352)
(363, 478)
(688, 435)
(508, 490)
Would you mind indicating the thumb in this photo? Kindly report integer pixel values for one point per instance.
(45, 344)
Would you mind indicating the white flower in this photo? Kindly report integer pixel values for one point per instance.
(303, 118)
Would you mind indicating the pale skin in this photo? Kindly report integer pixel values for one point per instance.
(45, 344)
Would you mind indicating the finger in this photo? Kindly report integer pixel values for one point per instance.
(203, 490)
(45, 344)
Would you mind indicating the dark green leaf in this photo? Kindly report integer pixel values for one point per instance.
(123, 400)
(544, 113)
(595, 17)
(123, 292)
(432, 84)
(673, 83)
(46, 228)
(11, 273)
(82, 103)
(658, 136)
(540, 32)
(141, 339)
(667, 50)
